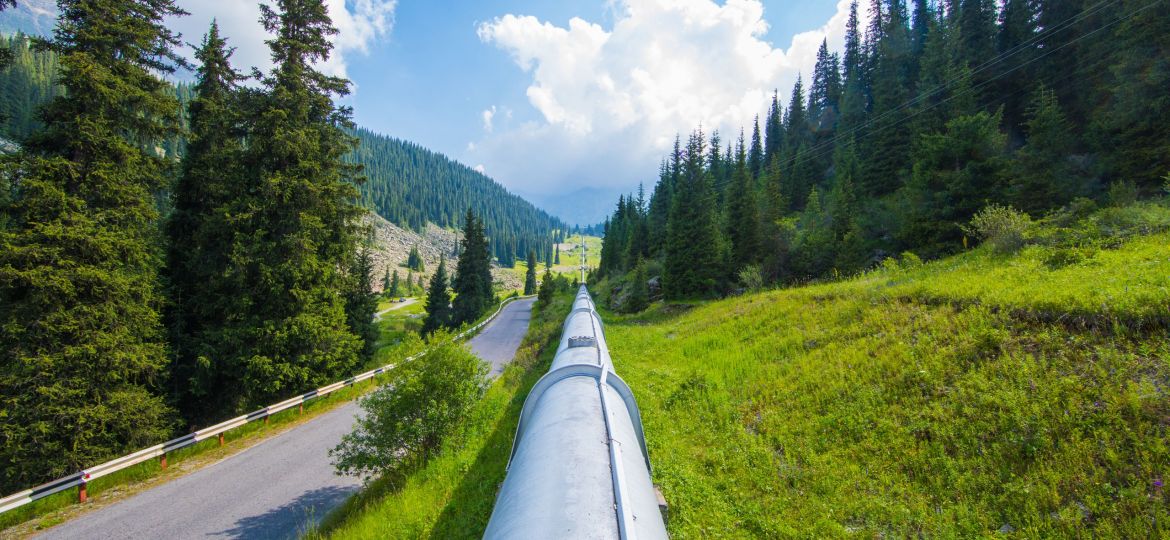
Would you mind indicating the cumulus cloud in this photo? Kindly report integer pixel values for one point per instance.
(488, 114)
(610, 101)
(359, 23)
(480, 169)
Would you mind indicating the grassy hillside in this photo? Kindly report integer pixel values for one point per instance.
(975, 395)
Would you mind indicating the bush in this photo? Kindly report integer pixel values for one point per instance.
(1123, 193)
(1001, 227)
(751, 277)
(405, 422)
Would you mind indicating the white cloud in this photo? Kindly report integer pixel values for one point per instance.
(616, 98)
(359, 23)
(480, 169)
(488, 114)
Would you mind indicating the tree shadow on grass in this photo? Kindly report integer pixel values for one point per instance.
(292, 519)
(470, 506)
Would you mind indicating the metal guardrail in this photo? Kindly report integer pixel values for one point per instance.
(81, 478)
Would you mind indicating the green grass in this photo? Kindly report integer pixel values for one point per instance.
(953, 399)
(570, 259)
(453, 494)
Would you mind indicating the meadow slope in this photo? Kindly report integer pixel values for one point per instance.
(976, 395)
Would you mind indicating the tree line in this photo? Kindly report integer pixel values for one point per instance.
(122, 326)
(931, 113)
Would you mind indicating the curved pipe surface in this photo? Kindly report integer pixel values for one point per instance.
(579, 466)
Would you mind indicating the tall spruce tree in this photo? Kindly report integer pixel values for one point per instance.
(756, 154)
(887, 142)
(774, 129)
(84, 353)
(530, 275)
(438, 303)
(473, 274)
(743, 222)
(361, 304)
(1045, 177)
(201, 270)
(300, 228)
(1132, 131)
(1017, 33)
(395, 285)
(695, 252)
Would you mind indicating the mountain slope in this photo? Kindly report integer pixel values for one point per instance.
(974, 395)
(407, 184)
(410, 186)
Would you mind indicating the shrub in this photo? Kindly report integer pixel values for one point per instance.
(910, 260)
(405, 421)
(638, 297)
(751, 277)
(1123, 193)
(1001, 227)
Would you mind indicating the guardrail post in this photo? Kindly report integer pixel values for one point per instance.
(162, 461)
(301, 409)
(82, 492)
(221, 439)
(266, 419)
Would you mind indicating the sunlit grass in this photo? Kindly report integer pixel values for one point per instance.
(959, 398)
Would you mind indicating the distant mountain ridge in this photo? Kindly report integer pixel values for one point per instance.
(407, 184)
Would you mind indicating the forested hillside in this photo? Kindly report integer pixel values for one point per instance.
(30, 82)
(410, 185)
(930, 114)
(406, 183)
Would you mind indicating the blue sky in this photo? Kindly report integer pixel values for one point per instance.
(568, 102)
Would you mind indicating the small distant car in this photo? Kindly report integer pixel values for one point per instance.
(401, 299)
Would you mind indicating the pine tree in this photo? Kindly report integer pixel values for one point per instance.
(386, 280)
(774, 129)
(301, 227)
(1044, 177)
(530, 275)
(200, 268)
(694, 248)
(473, 278)
(797, 132)
(659, 211)
(639, 296)
(743, 218)
(887, 142)
(410, 282)
(852, 61)
(1015, 78)
(756, 154)
(557, 259)
(956, 173)
(361, 304)
(977, 31)
(1133, 130)
(84, 353)
(414, 260)
(438, 303)
(393, 288)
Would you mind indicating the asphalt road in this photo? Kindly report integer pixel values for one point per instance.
(274, 489)
(498, 342)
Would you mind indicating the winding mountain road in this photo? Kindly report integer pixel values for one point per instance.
(273, 489)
